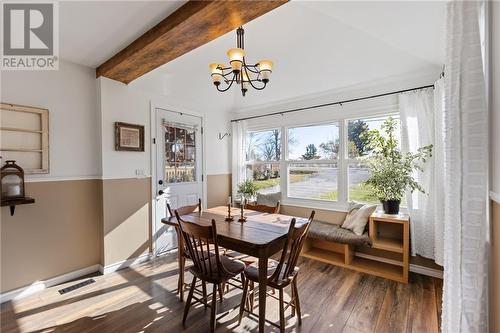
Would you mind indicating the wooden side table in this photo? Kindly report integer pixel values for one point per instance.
(399, 244)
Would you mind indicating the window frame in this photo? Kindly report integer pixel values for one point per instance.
(343, 161)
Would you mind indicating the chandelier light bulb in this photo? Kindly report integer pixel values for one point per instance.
(265, 69)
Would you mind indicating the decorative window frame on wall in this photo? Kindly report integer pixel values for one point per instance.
(24, 132)
(327, 115)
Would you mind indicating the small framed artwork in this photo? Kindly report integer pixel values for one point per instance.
(129, 137)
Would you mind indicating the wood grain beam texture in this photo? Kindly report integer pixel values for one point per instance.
(194, 24)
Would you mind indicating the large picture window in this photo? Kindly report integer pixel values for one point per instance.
(322, 164)
(263, 153)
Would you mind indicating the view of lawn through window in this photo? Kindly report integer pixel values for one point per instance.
(312, 161)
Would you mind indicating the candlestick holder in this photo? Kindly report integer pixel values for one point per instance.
(242, 216)
(229, 217)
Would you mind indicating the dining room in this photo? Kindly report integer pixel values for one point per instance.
(250, 166)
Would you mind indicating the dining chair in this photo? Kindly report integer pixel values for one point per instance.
(182, 258)
(208, 266)
(264, 208)
(281, 274)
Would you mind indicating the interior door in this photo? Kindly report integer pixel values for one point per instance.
(178, 170)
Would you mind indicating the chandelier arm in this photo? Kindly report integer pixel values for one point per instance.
(229, 86)
(250, 81)
(249, 67)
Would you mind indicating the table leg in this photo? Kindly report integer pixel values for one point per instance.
(262, 292)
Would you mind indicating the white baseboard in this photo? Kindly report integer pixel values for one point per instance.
(413, 268)
(125, 263)
(41, 285)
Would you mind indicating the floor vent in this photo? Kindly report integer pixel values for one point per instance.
(76, 286)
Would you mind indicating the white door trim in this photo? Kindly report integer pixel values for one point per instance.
(152, 135)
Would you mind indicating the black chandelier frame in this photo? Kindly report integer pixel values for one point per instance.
(231, 75)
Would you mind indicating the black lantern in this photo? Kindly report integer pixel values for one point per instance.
(12, 180)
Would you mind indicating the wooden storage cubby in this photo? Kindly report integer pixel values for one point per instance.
(388, 257)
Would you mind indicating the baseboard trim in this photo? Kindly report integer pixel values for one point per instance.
(125, 263)
(413, 268)
(41, 285)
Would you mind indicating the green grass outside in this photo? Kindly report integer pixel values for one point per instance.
(358, 192)
(262, 184)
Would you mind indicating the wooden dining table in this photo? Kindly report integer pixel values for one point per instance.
(261, 235)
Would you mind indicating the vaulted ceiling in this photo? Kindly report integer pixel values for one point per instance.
(316, 46)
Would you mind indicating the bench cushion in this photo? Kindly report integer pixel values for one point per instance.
(334, 233)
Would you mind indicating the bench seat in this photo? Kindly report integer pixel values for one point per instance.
(334, 233)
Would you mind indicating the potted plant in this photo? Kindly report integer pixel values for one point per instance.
(247, 189)
(392, 172)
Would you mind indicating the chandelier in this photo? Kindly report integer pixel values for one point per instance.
(239, 72)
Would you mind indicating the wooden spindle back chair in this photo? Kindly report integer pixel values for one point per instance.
(200, 241)
(264, 208)
(184, 210)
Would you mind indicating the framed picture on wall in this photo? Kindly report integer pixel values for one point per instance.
(129, 137)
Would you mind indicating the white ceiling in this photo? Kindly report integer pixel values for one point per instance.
(91, 32)
(316, 46)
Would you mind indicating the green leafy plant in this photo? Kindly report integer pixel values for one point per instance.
(247, 188)
(391, 170)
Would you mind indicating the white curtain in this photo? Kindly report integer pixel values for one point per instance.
(238, 135)
(465, 295)
(422, 124)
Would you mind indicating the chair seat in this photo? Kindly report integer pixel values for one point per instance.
(248, 260)
(232, 266)
(252, 273)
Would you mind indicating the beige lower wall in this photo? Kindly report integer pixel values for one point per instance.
(218, 189)
(495, 269)
(57, 234)
(126, 218)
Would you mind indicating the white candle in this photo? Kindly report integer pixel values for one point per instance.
(229, 200)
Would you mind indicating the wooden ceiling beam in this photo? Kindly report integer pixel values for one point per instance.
(192, 25)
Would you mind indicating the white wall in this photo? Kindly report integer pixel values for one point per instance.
(131, 103)
(70, 95)
(495, 97)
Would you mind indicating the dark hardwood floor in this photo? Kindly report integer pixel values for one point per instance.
(143, 299)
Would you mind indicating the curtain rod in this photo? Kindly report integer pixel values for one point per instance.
(333, 103)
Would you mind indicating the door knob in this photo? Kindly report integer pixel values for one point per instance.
(160, 192)
(160, 182)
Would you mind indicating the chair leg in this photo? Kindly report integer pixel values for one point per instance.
(292, 302)
(182, 267)
(252, 295)
(282, 311)
(221, 291)
(244, 299)
(188, 301)
(296, 300)
(213, 322)
(204, 288)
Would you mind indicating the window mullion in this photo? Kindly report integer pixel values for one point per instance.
(342, 168)
(283, 163)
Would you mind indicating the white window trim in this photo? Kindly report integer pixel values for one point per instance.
(342, 161)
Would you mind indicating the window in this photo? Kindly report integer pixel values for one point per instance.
(312, 162)
(180, 154)
(323, 164)
(357, 148)
(263, 153)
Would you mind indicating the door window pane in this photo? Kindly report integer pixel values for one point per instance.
(313, 181)
(180, 154)
(263, 145)
(265, 176)
(319, 142)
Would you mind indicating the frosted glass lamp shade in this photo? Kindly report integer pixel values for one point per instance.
(216, 73)
(265, 70)
(236, 58)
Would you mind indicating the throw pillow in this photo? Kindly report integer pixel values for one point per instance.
(356, 222)
(270, 199)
